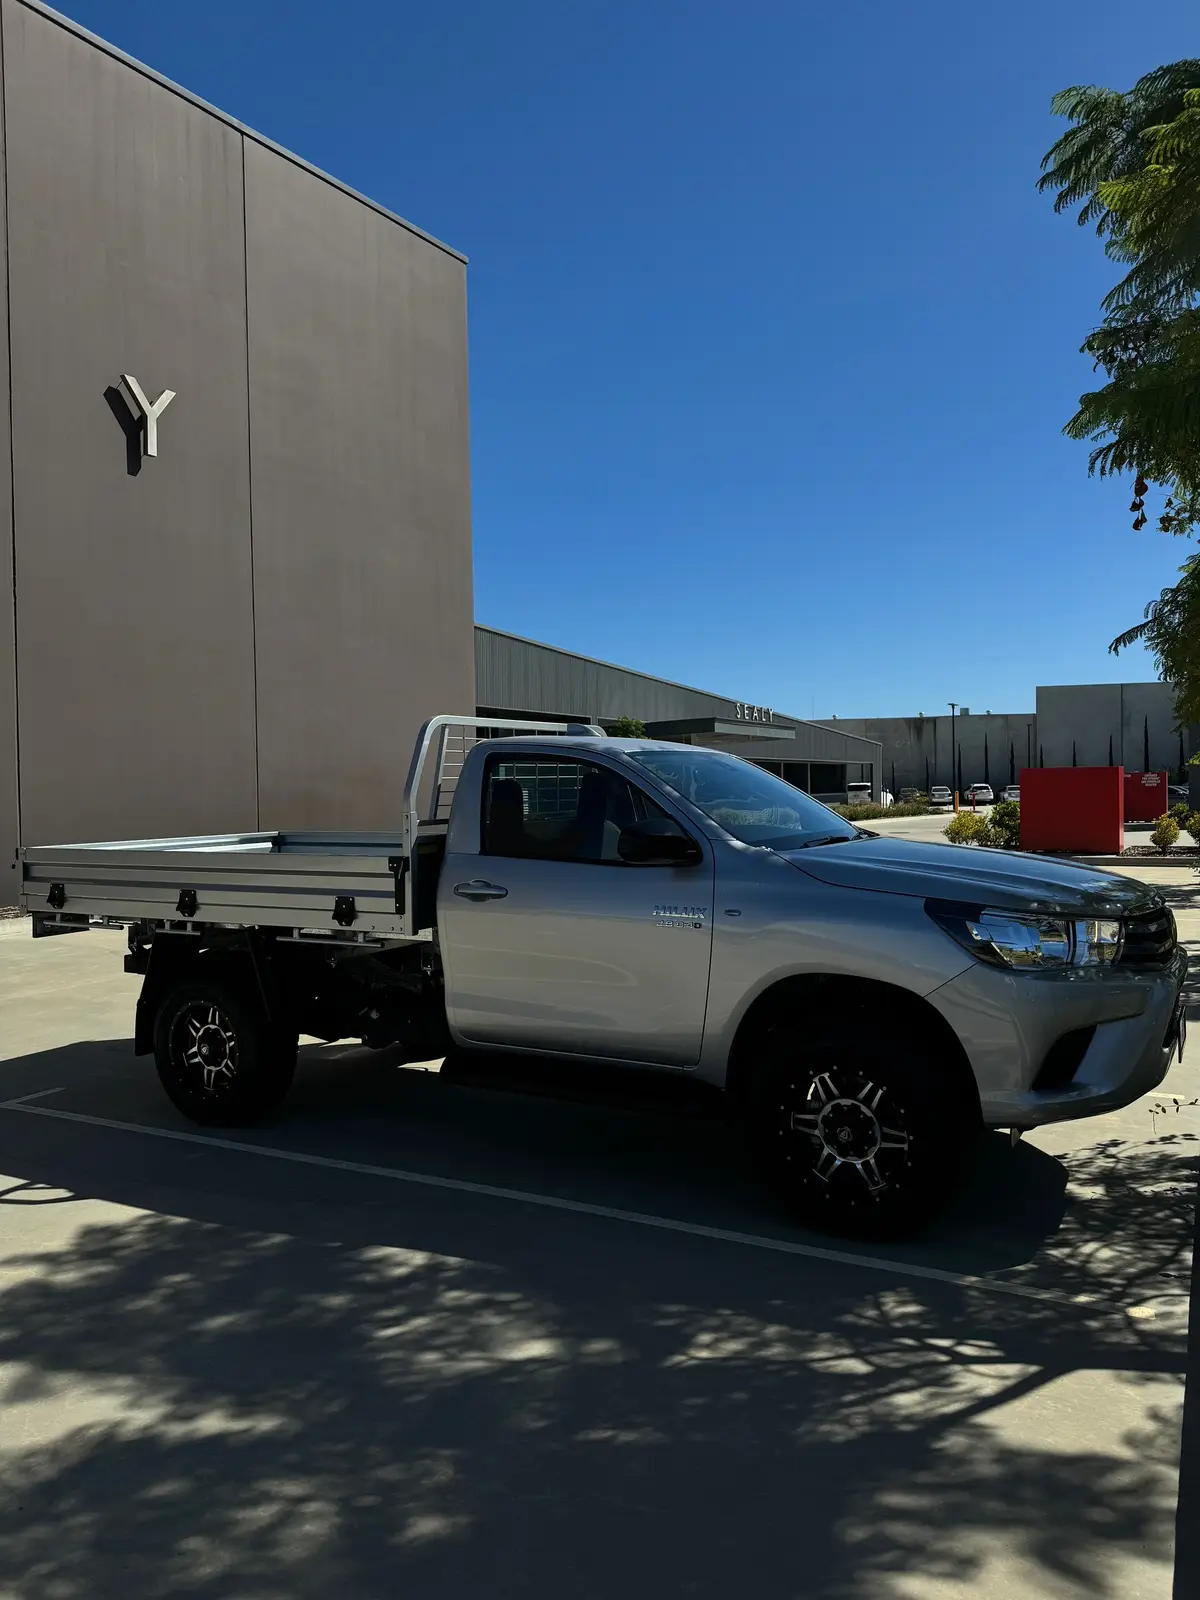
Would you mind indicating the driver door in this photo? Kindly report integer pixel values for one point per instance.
(551, 942)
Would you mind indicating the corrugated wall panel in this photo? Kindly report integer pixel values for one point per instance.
(519, 674)
(514, 674)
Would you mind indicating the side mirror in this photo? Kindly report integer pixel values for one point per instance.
(658, 842)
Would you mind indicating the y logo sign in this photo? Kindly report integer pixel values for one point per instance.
(147, 413)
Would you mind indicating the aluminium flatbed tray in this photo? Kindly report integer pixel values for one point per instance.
(347, 885)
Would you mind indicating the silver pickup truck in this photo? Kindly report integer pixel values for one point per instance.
(867, 1004)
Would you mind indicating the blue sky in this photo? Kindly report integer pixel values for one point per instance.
(772, 338)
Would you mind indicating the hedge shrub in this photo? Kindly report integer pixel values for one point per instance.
(1005, 824)
(968, 827)
(1165, 832)
(903, 808)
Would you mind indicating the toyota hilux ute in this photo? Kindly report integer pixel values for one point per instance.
(867, 1004)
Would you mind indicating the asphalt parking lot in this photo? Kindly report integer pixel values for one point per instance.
(528, 1331)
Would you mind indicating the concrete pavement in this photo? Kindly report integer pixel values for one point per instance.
(926, 830)
(227, 1373)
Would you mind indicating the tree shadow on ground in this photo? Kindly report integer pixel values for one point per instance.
(245, 1379)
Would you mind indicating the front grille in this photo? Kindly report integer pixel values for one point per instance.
(1149, 940)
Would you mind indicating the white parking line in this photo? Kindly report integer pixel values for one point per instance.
(903, 1269)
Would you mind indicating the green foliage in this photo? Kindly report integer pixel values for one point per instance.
(1164, 833)
(1181, 811)
(999, 831)
(1105, 141)
(628, 728)
(968, 827)
(872, 813)
(1171, 632)
(1005, 825)
(1131, 163)
(1192, 825)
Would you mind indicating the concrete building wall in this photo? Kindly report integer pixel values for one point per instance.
(1130, 716)
(1091, 723)
(916, 751)
(361, 496)
(135, 663)
(248, 629)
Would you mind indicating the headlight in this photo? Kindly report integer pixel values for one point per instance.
(1028, 941)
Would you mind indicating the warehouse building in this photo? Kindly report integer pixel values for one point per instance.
(1130, 725)
(518, 677)
(238, 521)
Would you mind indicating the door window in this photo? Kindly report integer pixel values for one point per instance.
(548, 810)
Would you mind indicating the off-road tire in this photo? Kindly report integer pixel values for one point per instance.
(220, 1060)
(860, 1129)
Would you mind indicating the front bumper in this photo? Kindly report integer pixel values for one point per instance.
(1007, 1023)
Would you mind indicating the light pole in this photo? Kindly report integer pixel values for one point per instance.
(953, 704)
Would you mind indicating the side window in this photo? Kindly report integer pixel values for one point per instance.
(558, 810)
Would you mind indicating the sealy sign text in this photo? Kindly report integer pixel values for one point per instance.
(745, 713)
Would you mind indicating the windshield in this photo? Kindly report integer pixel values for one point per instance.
(752, 805)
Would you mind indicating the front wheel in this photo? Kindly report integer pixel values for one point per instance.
(219, 1059)
(865, 1136)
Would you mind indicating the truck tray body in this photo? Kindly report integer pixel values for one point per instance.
(349, 883)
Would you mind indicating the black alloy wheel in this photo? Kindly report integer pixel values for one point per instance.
(220, 1060)
(206, 1041)
(866, 1137)
(856, 1129)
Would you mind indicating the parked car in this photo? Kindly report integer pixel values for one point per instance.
(1012, 791)
(867, 1004)
(980, 794)
(860, 794)
(939, 795)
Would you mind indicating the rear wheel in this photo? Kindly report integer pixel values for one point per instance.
(219, 1059)
(866, 1135)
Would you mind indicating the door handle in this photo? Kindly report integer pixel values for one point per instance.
(480, 889)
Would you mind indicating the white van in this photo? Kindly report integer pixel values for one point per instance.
(859, 794)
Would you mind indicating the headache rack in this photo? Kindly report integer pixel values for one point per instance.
(330, 887)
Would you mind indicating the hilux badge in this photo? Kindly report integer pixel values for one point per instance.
(680, 916)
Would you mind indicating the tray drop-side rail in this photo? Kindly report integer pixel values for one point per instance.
(344, 883)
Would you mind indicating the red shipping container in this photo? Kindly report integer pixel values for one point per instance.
(1146, 796)
(1073, 809)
